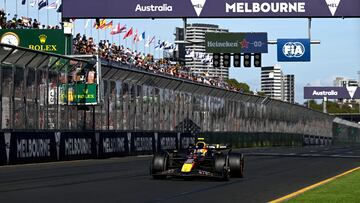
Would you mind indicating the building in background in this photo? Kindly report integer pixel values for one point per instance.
(195, 57)
(288, 88)
(348, 83)
(276, 85)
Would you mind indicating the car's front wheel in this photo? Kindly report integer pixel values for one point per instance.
(236, 163)
(159, 164)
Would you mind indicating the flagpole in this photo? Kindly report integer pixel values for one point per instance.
(5, 7)
(119, 38)
(85, 28)
(91, 28)
(27, 9)
(38, 17)
(98, 35)
(47, 17)
(16, 12)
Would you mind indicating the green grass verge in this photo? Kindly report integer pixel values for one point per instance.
(344, 189)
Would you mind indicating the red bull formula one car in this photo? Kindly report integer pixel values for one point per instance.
(201, 160)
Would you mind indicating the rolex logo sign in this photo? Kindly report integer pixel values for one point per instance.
(49, 40)
(42, 39)
(43, 46)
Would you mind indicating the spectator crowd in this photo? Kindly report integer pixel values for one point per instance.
(119, 53)
(21, 23)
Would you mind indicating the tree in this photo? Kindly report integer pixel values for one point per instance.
(261, 94)
(243, 87)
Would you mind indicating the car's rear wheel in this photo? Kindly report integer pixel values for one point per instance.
(221, 166)
(236, 164)
(159, 164)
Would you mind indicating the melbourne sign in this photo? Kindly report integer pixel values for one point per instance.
(142, 143)
(293, 50)
(210, 8)
(77, 146)
(236, 42)
(35, 39)
(32, 147)
(167, 141)
(113, 144)
(331, 92)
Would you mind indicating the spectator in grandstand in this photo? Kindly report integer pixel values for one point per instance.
(21, 23)
(112, 52)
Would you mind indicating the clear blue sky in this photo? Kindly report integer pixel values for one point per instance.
(337, 55)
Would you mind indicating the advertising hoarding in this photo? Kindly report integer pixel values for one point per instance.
(236, 42)
(293, 50)
(331, 92)
(78, 94)
(32, 147)
(49, 40)
(210, 8)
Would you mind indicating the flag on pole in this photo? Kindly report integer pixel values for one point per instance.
(59, 10)
(33, 3)
(54, 5)
(100, 25)
(87, 23)
(108, 25)
(136, 36)
(118, 29)
(23, 2)
(128, 34)
(42, 4)
(141, 37)
(150, 41)
(157, 46)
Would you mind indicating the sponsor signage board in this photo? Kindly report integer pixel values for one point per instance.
(186, 139)
(142, 143)
(293, 50)
(113, 144)
(236, 42)
(2, 149)
(49, 40)
(210, 8)
(32, 147)
(331, 92)
(167, 141)
(78, 94)
(77, 145)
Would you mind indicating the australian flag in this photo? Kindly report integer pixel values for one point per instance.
(42, 4)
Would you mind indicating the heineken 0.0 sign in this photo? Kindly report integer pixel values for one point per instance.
(49, 40)
(236, 42)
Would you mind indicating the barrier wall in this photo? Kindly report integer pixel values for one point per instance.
(113, 144)
(2, 149)
(78, 145)
(142, 143)
(32, 147)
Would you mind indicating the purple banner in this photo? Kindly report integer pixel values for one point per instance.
(209, 8)
(331, 92)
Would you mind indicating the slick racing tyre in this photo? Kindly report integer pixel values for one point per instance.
(221, 166)
(236, 163)
(159, 164)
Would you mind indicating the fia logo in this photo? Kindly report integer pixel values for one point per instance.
(293, 49)
(198, 6)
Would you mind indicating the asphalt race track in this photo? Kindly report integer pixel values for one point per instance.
(270, 174)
